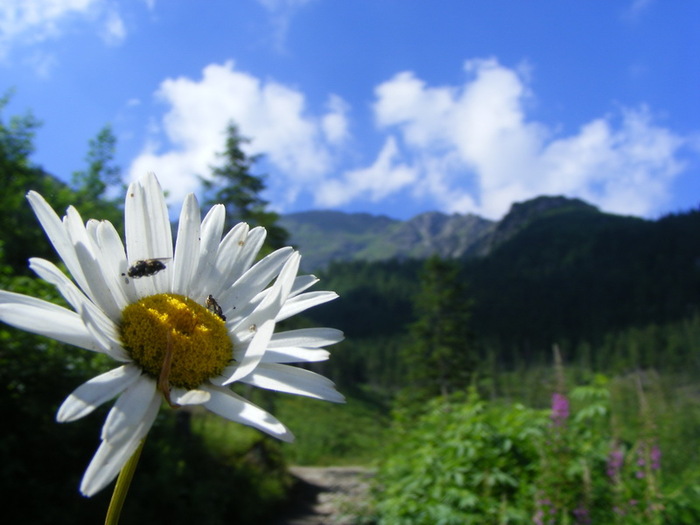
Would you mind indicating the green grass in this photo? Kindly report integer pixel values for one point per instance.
(333, 434)
(226, 439)
(326, 433)
(355, 433)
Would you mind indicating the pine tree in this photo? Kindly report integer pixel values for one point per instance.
(233, 185)
(92, 185)
(21, 238)
(439, 358)
(101, 172)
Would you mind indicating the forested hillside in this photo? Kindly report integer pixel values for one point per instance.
(572, 276)
(328, 236)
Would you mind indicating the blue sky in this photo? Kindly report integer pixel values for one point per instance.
(382, 106)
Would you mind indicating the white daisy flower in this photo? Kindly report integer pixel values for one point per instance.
(182, 326)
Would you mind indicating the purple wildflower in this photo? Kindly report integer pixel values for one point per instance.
(560, 409)
(655, 456)
(581, 515)
(641, 460)
(615, 461)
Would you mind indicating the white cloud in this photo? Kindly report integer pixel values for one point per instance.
(383, 178)
(281, 13)
(28, 22)
(636, 8)
(273, 115)
(335, 122)
(472, 148)
(42, 63)
(114, 30)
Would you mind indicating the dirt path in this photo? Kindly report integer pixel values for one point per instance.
(327, 495)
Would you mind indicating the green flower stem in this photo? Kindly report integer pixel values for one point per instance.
(122, 487)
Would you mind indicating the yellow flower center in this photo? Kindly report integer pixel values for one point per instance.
(175, 340)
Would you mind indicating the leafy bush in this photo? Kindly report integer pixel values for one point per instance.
(463, 462)
(472, 461)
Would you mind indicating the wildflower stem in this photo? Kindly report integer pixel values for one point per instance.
(122, 487)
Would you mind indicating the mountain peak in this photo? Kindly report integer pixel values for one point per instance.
(521, 214)
(546, 203)
(325, 236)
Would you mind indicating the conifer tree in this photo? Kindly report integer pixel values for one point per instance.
(101, 172)
(21, 238)
(439, 358)
(234, 185)
(91, 185)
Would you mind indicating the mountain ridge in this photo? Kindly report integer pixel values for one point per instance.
(324, 236)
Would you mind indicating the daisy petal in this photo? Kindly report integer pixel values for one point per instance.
(233, 407)
(47, 319)
(111, 456)
(252, 354)
(148, 233)
(250, 249)
(97, 286)
(212, 227)
(252, 282)
(293, 380)
(307, 338)
(184, 264)
(88, 396)
(50, 273)
(182, 397)
(302, 302)
(261, 321)
(227, 257)
(113, 260)
(296, 346)
(130, 409)
(57, 234)
(105, 333)
(294, 355)
(301, 283)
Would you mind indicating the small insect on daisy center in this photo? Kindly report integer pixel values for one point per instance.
(175, 340)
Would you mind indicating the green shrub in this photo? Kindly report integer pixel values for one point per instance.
(462, 462)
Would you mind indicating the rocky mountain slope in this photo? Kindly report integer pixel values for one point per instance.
(325, 236)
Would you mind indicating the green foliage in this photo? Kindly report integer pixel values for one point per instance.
(40, 460)
(582, 462)
(91, 185)
(438, 358)
(367, 289)
(233, 185)
(332, 434)
(21, 237)
(673, 346)
(614, 292)
(578, 276)
(464, 461)
(182, 478)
